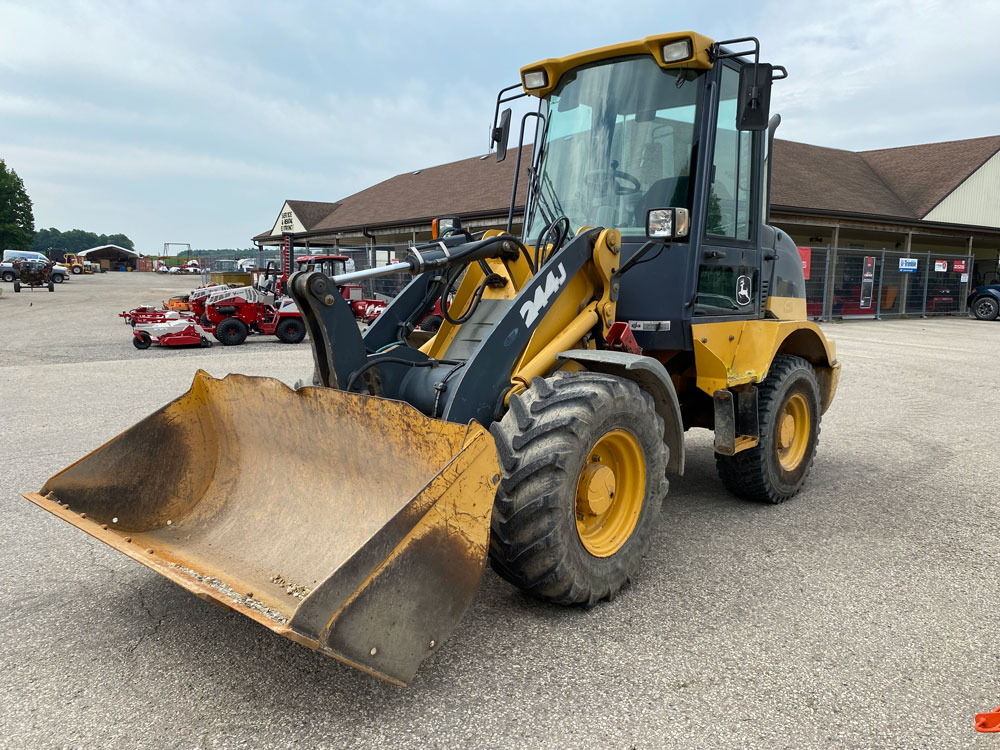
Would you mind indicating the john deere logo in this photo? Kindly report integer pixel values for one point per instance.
(743, 290)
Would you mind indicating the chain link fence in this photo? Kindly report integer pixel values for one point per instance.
(857, 283)
(840, 282)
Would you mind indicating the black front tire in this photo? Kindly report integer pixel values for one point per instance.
(142, 340)
(985, 308)
(757, 473)
(52, 286)
(290, 330)
(231, 332)
(544, 443)
(17, 287)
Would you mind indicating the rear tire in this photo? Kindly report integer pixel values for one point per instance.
(788, 408)
(58, 278)
(77, 270)
(290, 330)
(231, 332)
(986, 308)
(555, 534)
(9, 276)
(142, 341)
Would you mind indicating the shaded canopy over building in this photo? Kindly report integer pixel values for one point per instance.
(112, 257)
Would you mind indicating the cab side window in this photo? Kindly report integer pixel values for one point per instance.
(729, 194)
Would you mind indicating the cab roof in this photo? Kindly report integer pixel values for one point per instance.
(555, 67)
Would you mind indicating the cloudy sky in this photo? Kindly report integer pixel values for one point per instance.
(192, 121)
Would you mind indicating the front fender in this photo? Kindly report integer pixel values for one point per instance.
(650, 376)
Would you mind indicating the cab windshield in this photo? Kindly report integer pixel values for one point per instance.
(617, 142)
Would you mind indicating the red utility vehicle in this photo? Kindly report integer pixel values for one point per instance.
(336, 265)
(232, 314)
(365, 310)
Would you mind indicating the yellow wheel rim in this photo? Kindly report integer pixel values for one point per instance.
(609, 493)
(792, 435)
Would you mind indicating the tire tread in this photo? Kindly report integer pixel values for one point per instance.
(539, 441)
(746, 473)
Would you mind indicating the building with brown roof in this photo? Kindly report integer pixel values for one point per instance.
(926, 199)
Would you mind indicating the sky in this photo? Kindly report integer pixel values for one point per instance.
(176, 121)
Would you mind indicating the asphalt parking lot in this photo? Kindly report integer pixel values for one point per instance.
(861, 614)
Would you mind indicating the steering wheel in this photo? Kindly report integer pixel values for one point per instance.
(596, 178)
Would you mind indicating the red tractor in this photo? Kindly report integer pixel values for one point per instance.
(232, 314)
(365, 310)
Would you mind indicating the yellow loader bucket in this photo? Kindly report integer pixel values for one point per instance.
(351, 524)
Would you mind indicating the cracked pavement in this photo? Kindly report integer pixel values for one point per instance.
(860, 614)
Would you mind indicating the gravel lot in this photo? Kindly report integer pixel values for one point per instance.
(861, 614)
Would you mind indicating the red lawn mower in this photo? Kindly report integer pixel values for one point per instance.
(193, 306)
(174, 329)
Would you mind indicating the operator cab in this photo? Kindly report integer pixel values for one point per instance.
(675, 122)
(331, 265)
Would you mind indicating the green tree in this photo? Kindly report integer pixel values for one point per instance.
(17, 222)
(121, 240)
(46, 238)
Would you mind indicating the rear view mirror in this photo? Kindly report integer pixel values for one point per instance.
(442, 226)
(501, 134)
(667, 223)
(754, 102)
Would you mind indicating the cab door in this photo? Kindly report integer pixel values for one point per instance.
(729, 263)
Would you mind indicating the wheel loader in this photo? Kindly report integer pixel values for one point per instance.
(538, 427)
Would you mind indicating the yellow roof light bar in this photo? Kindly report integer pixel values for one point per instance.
(680, 49)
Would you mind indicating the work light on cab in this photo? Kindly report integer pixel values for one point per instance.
(667, 223)
(536, 79)
(676, 51)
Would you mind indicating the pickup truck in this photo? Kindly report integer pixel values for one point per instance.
(984, 301)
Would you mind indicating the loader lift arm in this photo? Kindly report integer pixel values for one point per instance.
(479, 389)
